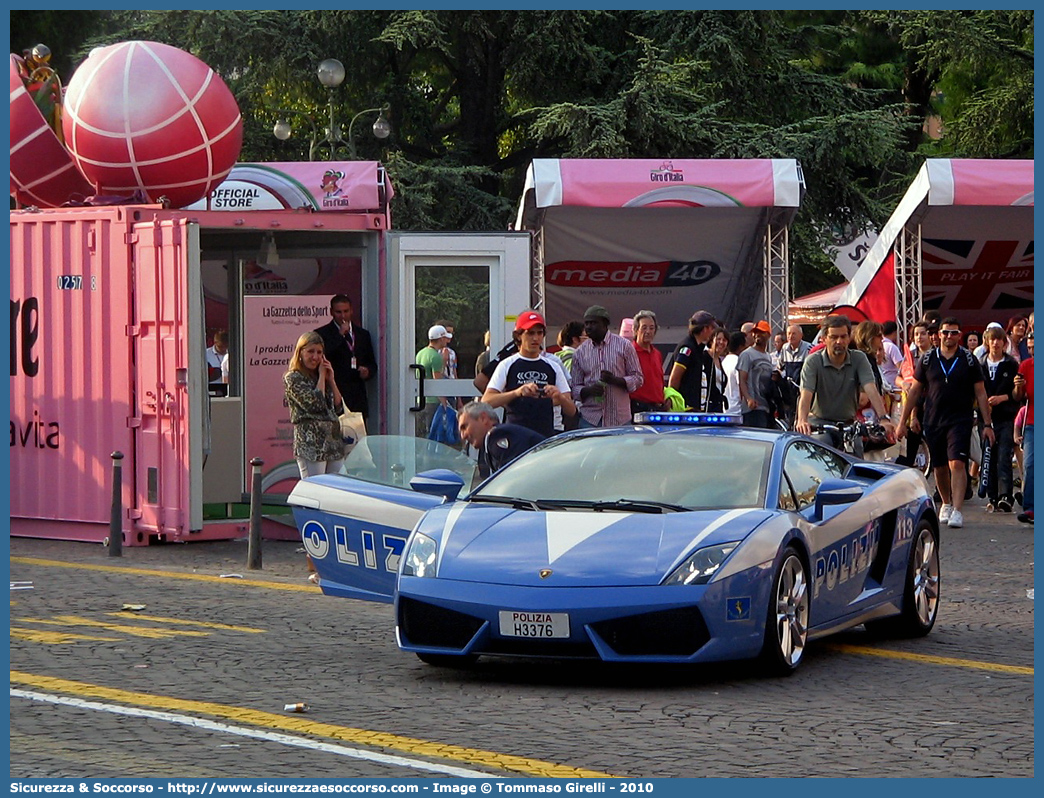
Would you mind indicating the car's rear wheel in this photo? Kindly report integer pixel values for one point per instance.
(786, 627)
(921, 591)
(448, 660)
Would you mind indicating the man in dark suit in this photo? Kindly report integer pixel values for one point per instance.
(350, 351)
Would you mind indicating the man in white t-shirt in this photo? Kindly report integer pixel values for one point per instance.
(216, 354)
(737, 343)
(531, 384)
(893, 357)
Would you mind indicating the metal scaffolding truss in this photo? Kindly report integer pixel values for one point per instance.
(908, 282)
(537, 275)
(777, 276)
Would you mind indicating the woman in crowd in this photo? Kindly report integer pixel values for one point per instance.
(999, 370)
(971, 341)
(719, 348)
(1017, 328)
(868, 338)
(315, 407)
(569, 338)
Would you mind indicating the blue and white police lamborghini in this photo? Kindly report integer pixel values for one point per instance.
(680, 539)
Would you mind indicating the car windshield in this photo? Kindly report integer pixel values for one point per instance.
(673, 470)
(396, 459)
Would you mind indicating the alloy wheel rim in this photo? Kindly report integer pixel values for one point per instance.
(926, 577)
(792, 611)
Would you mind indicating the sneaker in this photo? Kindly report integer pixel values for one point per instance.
(1026, 517)
(989, 507)
(1004, 505)
(956, 520)
(1018, 497)
(944, 513)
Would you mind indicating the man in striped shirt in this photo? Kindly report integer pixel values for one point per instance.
(605, 371)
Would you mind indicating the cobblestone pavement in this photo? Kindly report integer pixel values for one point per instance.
(247, 646)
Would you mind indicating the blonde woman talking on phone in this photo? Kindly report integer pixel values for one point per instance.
(315, 406)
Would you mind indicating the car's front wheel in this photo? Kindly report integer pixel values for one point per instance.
(921, 591)
(786, 627)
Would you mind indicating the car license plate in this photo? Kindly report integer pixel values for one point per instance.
(534, 624)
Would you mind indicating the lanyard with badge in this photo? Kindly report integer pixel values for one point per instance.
(946, 372)
(349, 340)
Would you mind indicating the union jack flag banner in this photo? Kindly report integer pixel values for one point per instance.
(978, 281)
(976, 223)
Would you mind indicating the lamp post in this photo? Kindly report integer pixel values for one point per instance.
(331, 74)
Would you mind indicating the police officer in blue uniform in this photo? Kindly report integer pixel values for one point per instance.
(497, 444)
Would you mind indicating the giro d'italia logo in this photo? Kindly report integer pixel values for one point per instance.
(666, 174)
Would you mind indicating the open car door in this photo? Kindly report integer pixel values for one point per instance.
(355, 525)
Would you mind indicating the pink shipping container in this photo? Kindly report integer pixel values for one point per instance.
(108, 342)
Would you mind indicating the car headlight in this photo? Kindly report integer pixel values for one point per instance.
(420, 560)
(701, 566)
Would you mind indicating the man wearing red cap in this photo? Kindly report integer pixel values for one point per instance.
(531, 385)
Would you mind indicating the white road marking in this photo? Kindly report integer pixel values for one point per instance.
(283, 739)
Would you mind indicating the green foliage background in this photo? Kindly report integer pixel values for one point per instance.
(476, 95)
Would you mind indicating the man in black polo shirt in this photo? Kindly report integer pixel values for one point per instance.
(951, 379)
(692, 369)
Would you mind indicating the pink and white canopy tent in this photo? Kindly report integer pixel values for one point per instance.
(672, 236)
(960, 242)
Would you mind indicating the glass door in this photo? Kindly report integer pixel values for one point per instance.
(468, 284)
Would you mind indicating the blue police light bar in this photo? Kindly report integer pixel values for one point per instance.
(689, 419)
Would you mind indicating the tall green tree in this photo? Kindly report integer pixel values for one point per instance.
(476, 95)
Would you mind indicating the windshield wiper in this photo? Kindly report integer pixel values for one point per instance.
(514, 501)
(639, 506)
(622, 505)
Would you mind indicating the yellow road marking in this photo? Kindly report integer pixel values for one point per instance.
(269, 720)
(118, 569)
(42, 636)
(931, 660)
(874, 652)
(138, 631)
(205, 624)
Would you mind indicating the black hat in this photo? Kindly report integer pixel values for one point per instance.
(596, 311)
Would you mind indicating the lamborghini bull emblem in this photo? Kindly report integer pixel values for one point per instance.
(545, 573)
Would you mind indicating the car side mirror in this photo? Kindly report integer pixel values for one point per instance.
(438, 482)
(834, 495)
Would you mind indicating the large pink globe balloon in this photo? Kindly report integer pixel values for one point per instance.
(42, 173)
(144, 115)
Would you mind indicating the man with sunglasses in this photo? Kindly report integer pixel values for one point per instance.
(950, 378)
(531, 385)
